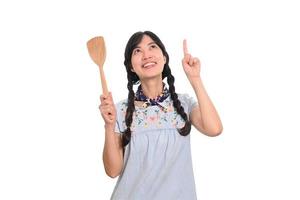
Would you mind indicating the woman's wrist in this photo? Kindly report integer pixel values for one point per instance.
(195, 80)
(109, 127)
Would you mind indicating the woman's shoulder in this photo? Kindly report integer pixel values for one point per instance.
(122, 103)
(184, 96)
(187, 101)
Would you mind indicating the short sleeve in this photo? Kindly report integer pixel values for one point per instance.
(188, 102)
(120, 117)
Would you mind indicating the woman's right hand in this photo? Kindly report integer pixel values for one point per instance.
(108, 110)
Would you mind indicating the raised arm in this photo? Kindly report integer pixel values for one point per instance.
(204, 117)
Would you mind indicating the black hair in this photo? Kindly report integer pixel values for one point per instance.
(133, 79)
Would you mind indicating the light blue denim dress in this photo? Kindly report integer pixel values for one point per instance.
(157, 161)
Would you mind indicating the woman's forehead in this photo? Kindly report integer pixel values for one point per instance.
(146, 40)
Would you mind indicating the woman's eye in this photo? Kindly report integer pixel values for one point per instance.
(153, 46)
(136, 51)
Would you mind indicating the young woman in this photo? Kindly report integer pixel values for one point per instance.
(147, 135)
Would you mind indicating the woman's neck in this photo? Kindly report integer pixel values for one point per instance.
(152, 88)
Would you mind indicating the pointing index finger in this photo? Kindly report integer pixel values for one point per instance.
(185, 50)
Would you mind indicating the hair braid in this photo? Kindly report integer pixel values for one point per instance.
(129, 112)
(177, 104)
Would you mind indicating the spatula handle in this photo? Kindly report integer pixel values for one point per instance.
(103, 81)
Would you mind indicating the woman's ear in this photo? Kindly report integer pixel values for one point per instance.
(165, 59)
(132, 70)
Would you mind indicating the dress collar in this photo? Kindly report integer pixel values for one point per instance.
(158, 101)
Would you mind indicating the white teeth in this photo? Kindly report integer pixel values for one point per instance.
(148, 64)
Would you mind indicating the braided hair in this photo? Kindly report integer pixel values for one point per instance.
(133, 79)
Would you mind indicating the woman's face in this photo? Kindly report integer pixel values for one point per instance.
(147, 59)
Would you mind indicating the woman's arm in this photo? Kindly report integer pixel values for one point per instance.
(204, 117)
(113, 149)
(112, 152)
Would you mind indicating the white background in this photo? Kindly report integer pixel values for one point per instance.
(51, 129)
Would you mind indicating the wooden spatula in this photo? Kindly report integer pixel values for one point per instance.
(96, 48)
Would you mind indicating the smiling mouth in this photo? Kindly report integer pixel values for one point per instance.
(149, 65)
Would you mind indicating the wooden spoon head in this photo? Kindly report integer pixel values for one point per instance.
(96, 48)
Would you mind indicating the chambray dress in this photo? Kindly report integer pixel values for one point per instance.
(157, 160)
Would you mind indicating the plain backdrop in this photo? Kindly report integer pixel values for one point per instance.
(52, 135)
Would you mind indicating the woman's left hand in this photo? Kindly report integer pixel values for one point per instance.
(191, 65)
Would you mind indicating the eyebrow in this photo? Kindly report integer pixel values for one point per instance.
(147, 44)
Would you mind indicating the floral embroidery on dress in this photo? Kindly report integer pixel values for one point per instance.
(153, 116)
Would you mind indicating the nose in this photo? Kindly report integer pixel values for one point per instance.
(147, 55)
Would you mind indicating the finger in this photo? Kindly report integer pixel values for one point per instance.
(185, 49)
(111, 98)
(109, 109)
(107, 118)
(107, 115)
(106, 98)
(103, 97)
(196, 61)
(187, 57)
(103, 109)
(107, 102)
(106, 108)
(191, 61)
